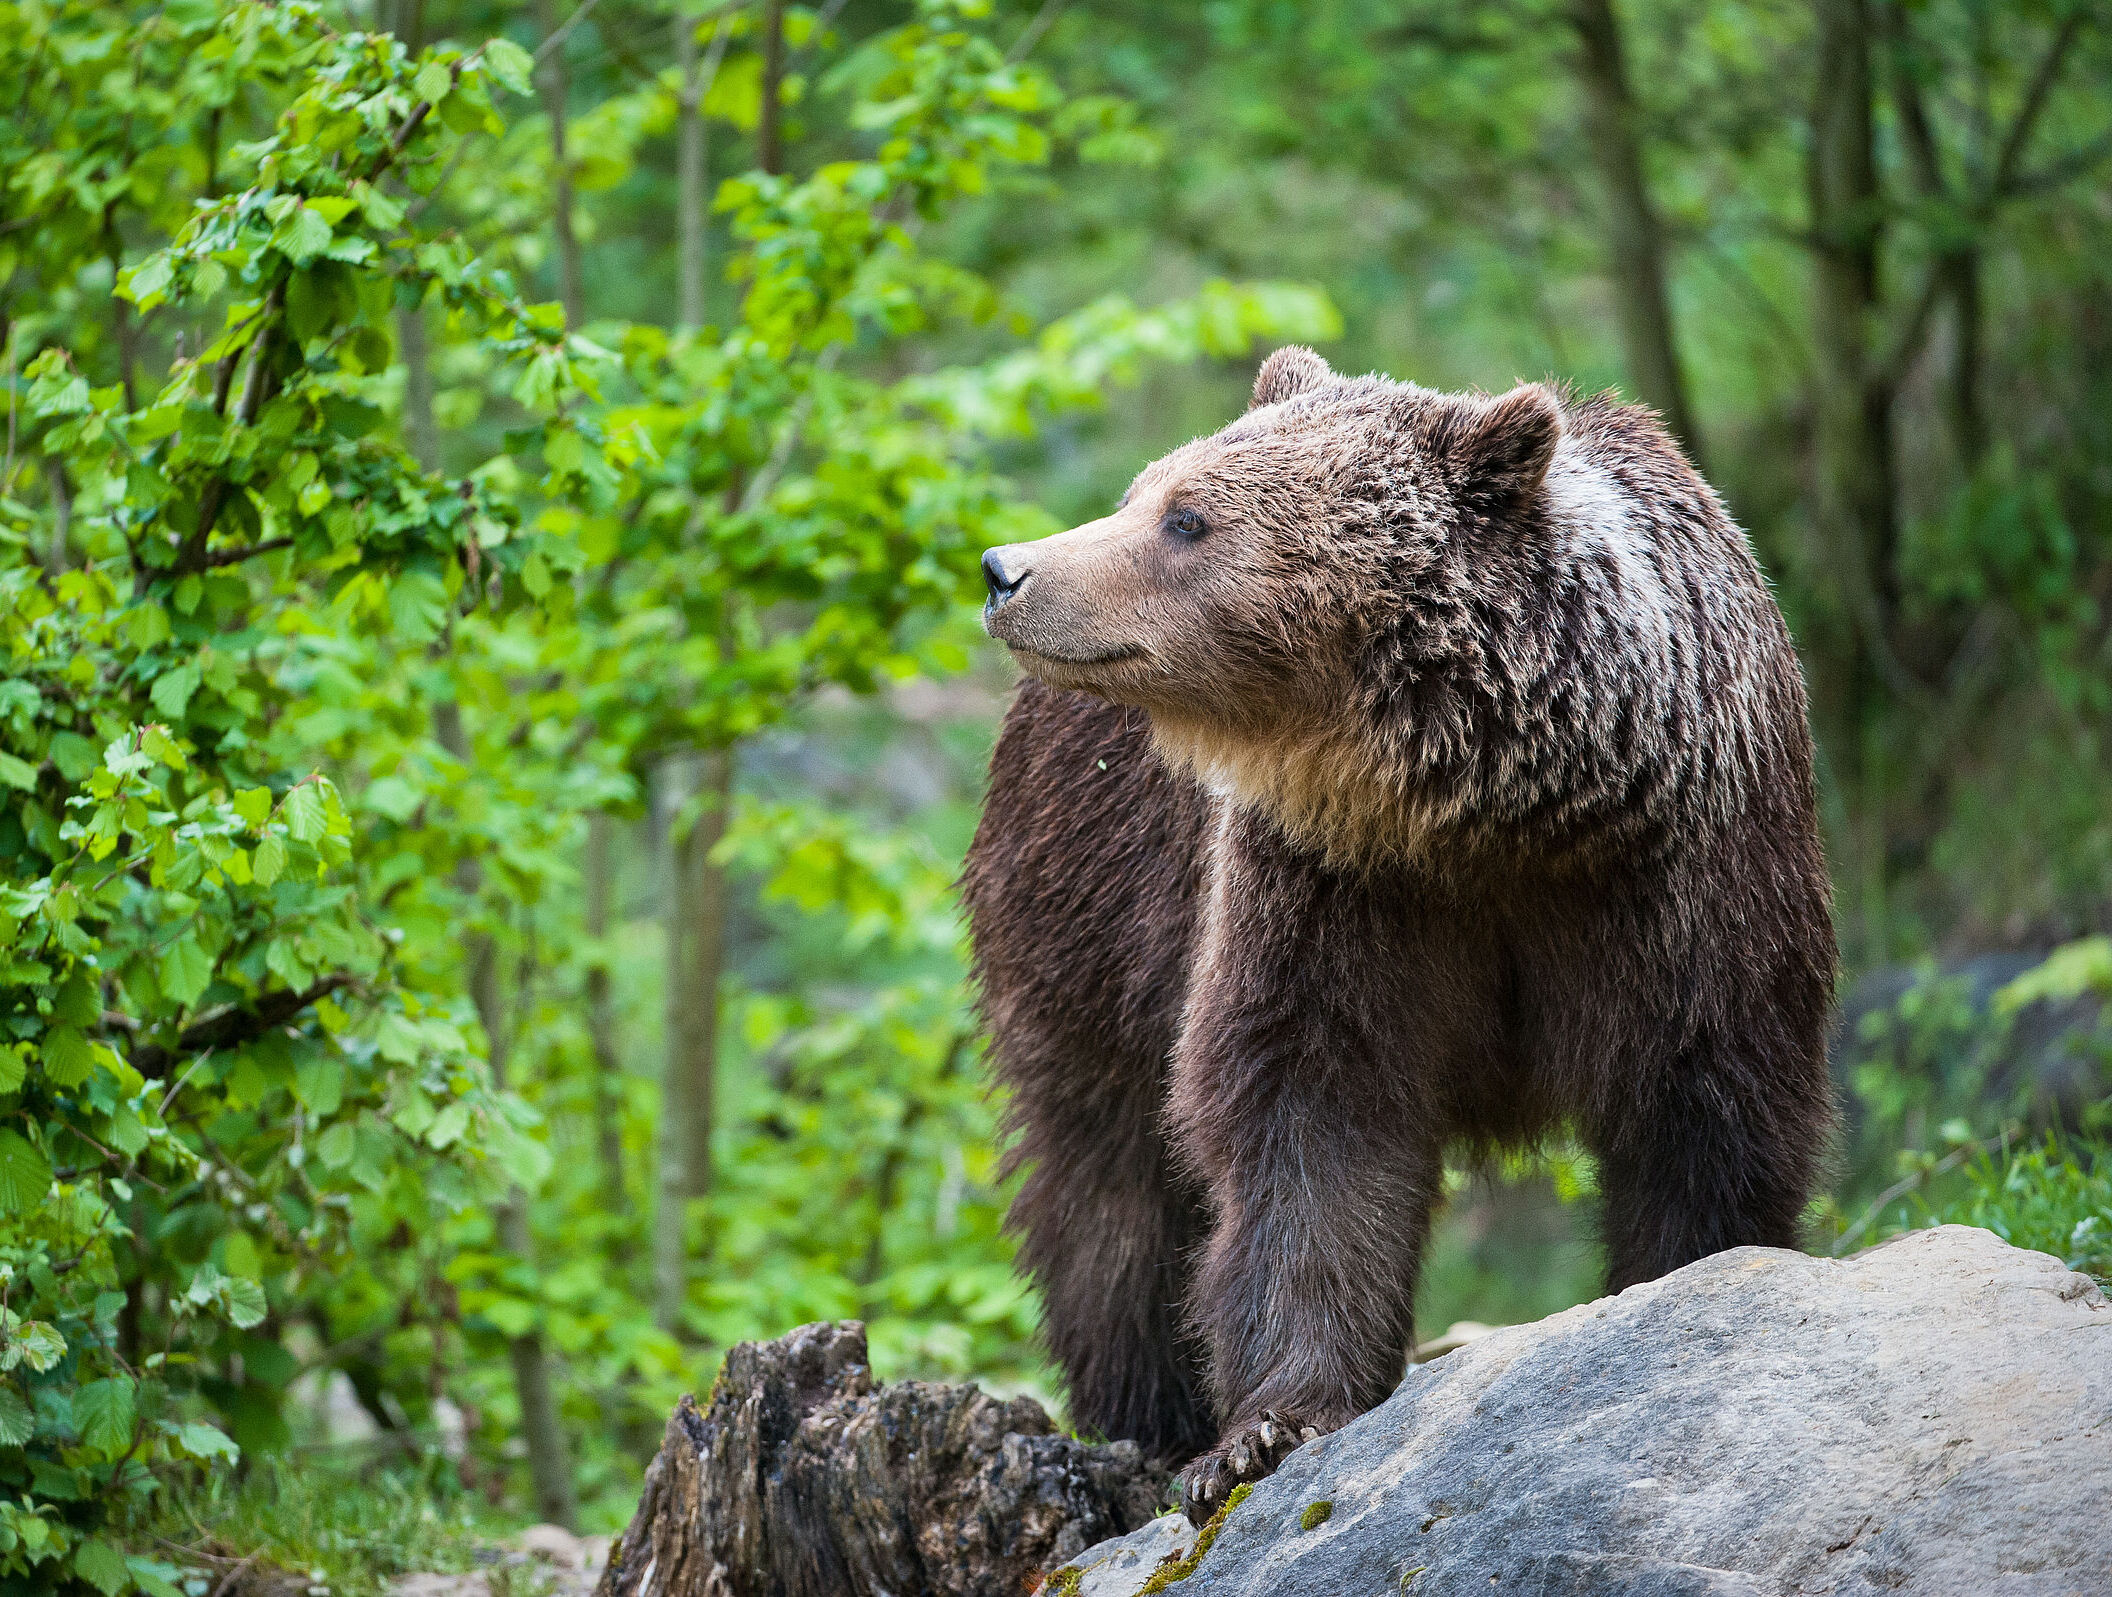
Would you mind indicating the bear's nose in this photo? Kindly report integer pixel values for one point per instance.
(1004, 573)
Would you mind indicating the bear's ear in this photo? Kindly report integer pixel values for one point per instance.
(1291, 371)
(1504, 447)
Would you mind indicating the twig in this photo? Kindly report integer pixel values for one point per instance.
(2042, 81)
(1043, 19)
(169, 1097)
(416, 120)
(454, 160)
(1892, 365)
(7, 473)
(227, 1580)
(558, 35)
(2069, 167)
(1902, 1187)
(766, 480)
(231, 1026)
(230, 557)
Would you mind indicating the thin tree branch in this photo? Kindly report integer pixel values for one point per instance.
(231, 1026)
(1044, 19)
(454, 160)
(1905, 1185)
(558, 35)
(2035, 98)
(233, 557)
(2064, 170)
(1916, 134)
(1913, 332)
(416, 120)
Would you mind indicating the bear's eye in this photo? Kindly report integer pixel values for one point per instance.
(1186, 523)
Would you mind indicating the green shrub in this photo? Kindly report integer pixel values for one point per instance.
(2053, 1198)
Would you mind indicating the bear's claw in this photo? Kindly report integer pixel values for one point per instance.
(1247, 1453)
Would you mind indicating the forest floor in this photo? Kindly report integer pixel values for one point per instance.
(327, 1526)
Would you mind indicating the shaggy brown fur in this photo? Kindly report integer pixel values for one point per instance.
(1404, 770)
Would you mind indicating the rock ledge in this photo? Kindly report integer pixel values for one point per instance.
(1933, 1416)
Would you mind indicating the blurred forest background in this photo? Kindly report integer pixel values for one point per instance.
(494, 704)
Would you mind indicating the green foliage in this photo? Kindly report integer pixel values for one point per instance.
(346, 583)
(351, 1526)
(212, 1051)
(2050, 1197)
(865, 1144)
(299, 736)
(1944, 1091)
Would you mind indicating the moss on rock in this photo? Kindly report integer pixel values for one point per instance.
(1180, 1569)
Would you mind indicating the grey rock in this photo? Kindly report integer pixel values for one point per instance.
(1119, 1567)
(1933, 1416)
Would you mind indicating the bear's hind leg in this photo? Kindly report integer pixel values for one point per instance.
(1105, 1227)
(1718, 1151)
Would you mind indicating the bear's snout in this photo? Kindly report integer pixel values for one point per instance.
(1004, 571)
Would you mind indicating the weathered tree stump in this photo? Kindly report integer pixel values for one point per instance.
(800, 1478)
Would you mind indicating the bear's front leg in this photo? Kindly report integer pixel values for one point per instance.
(1299, 1096)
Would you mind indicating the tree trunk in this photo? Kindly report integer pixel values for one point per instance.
(421, 436)
(61, 513)
(696, 939)
(553, 83)
(1852, 413)
(549, 1456)
(1635, 236)
(800, 1478)
(769, 154)
(690, 153)
(1967, 420)
(601, 1019)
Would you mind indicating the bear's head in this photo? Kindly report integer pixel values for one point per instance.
(1265, 593)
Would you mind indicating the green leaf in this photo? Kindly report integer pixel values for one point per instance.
(206, 1441)
(302, 236)
(448, 1125)
(2068, 972)
(304, 814)
(101, 1566)
(25, 1174)
(156, 741)
(172, 690)
(17, 773)
(510, 64)
(17, 1423)
(269, 861)
(68, 1059)
(74, 755)
(154, 1578)
(282, 957)
(515, 1317)
(102, 1413)
(337, 1145)
(319, 1082)
(253, 804)
(185, 970)
(35, 1343)
(393, 797)
(145, 281)
(243, 1301)
(432, 82)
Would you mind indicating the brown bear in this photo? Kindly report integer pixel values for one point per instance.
(1399, 771)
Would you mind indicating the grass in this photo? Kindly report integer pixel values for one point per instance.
(350, 1526)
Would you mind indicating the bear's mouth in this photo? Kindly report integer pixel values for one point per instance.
(1109, 657)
